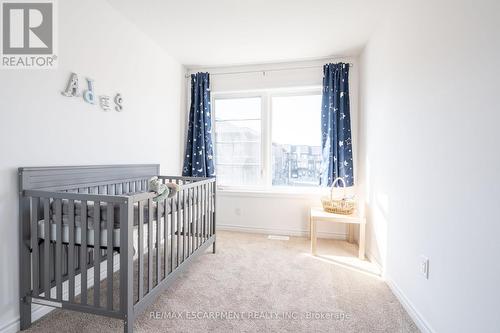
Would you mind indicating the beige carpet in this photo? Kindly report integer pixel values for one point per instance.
(254, 284)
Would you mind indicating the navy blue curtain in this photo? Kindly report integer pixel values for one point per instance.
(199, 159)
(336, 143)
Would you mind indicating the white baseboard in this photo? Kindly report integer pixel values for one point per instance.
(374, 260)
(276, 231)
(419, 320)
(38, 311)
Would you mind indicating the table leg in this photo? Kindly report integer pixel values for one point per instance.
(310, 226)
(350, 232)
(362, 241)
(313, 237)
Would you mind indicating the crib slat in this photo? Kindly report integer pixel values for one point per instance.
(110, 210)
(199, 207)
(184, 231)
(210, 216)
(178, 231)
(191, 213)
(140, 259)
(165, 236)
(97, 253)
(35, 202)
(202, 208)
(208, 211)
(192, 218)
(201, 217)
(46, 249)
(71, 251)
(189, 199)
(197, 214)
(209, 192)
(204, 212)
(172, 233)
(212, 208)
(185, 224)
(150, 244)
(83, 253)
(158, 241)
(189, 233)
(58, 261)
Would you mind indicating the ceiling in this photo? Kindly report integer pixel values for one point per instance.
(229, 32)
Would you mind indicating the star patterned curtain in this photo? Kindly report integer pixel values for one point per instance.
(199, 160)
(336, 143)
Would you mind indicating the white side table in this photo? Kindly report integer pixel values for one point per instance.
(318, 214)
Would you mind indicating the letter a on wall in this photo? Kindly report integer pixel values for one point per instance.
(72, 87)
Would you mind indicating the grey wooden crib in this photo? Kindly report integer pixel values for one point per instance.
(92, 238)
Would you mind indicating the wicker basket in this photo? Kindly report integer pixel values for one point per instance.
(341, 205)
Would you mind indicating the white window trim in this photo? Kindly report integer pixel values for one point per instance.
(266, 186)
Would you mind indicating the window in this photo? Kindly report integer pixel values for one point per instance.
(296, 140)
(268, 139)
(238, 141)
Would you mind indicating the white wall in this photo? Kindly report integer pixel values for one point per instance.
(272, 213)
(430, 113)
(40, 127)
(277, 213)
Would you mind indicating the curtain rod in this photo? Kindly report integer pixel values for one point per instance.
(265, 70)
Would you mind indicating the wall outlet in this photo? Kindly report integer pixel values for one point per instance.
(237, 211)
(424, 266)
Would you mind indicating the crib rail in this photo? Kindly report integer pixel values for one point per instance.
(187, 230)
(110, 249)
(62, 264)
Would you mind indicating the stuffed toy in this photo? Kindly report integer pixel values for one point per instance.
(164, 191)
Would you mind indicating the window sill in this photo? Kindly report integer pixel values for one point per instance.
(274, 192)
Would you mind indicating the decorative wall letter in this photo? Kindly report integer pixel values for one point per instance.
(72, 87)
(119, 102)
(104, 101)
(88, 95)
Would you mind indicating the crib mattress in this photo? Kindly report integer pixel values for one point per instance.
(90, 233)
(103, 224)
(103, 211)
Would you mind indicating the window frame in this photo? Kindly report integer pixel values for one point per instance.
(265, 182)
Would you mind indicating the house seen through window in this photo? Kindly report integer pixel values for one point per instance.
(268, 139)
(296, 140)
